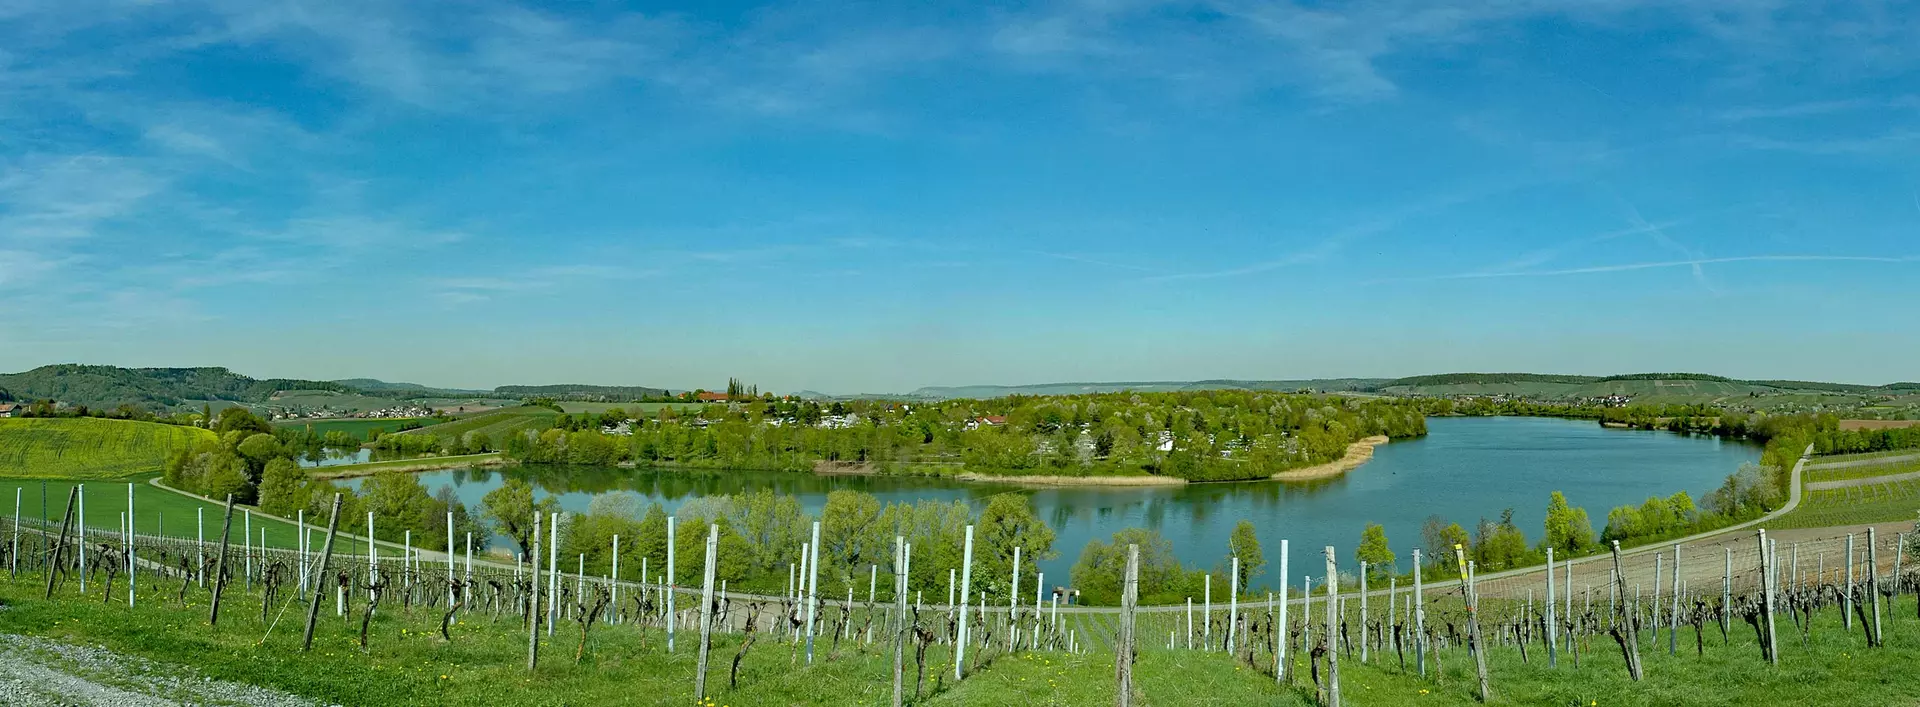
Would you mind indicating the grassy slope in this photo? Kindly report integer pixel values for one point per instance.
(409, 664)
(157, 509)
(88, 448)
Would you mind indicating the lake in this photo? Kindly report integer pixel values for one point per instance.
(1466, 468)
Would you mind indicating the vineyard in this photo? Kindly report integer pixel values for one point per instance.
(1748, 620)
(496, 425)
(1866, 488)
(88, 448)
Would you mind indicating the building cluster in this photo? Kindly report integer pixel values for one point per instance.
(386, 413)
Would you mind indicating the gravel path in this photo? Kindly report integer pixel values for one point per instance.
(37, 671)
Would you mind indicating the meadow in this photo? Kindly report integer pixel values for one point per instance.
(89, 448)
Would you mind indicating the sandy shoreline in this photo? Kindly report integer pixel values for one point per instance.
(1358, 453)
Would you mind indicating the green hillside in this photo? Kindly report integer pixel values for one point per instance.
(581, 392)
(88, 448)
(157, 388)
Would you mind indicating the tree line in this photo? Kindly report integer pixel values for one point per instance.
(1198, 436)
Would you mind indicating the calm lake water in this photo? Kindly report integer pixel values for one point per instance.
(1464, 469)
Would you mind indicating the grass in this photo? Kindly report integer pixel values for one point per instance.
(1876, 503)
(356, 427)
(495, 425)
(408, 663)
(88, 448)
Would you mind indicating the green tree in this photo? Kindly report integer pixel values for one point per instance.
(1102, 565)
(850, 535)
(226, 474)
(399, 504)
(650, 542)
(465, 521)
(237, 418)
(283, 488)
(772, 526)
(1373, 548)
(1245, 544)
(1440, 538)
(1567, 529)
(513, 511)
(1007, 522)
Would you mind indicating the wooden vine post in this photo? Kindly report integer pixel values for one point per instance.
(1123, 662)
(1280, 627)
(1552, 654)
(1631, 642)
(706, 613)
(220, 565)
(1473, 625)
(1873, 582)
(1333, 630)
(319, 584)
(1419, 619)
(53, 564)
(899, 616)
(533, 599)
(1766, 593)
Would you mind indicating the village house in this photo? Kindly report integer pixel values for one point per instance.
(709, 397)
(9, 409)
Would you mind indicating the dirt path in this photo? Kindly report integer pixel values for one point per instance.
(37, 671)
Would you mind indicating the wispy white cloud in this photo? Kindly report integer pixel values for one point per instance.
(1692, 264)
(1877, 145)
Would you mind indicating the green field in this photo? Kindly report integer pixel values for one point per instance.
(89, 448)
(408, 662)
(160, 512)
(356, 427)
(495, 425)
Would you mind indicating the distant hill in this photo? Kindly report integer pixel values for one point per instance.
(581, 392)
(1325, 385)
(416, 390)
(1676, 387)
(160, 388)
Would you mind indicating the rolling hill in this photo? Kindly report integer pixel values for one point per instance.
(156, 388)
(88, 448)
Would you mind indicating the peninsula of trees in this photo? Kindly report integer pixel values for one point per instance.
(1220, 435)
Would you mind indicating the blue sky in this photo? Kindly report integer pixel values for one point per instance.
(878, 196)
